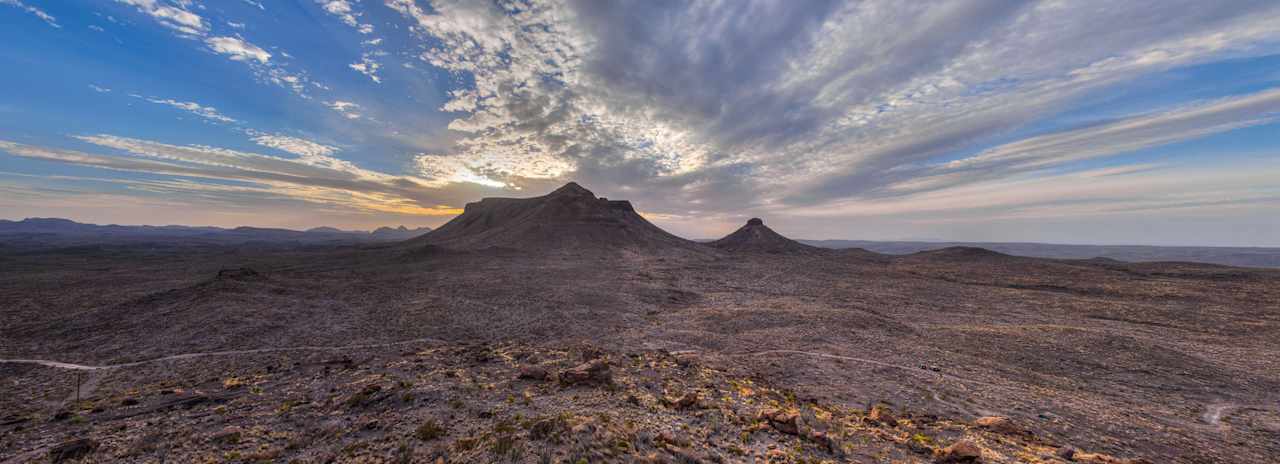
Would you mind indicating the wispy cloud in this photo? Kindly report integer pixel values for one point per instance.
(237, 49)
(347, 109)
(344, 11)
(295, 145)
(176, 17)
(207, 112)
(367, 66)
(39, 13)
(317, 179)
(190, 25)
(709, 109)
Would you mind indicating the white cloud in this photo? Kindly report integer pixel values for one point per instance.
(206, 112)
(301, 147)
(316, 179)
(192, 26)
(348, 109)
(368, 67)
(809, 106)
(343, 10)
(237, 49)
(99, 89)
(174, 17)
(39, 13)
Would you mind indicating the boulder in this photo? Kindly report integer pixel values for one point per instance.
(963, 451)
(594, 372)
(783, 421)
(998, 424)
(1066, 452)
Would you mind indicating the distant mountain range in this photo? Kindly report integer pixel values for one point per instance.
(39, 233)
(1229, 256)
(61, 232)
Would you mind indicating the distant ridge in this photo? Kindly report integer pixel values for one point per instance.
(569, 219)
(755, 237)
(1228, 256)
(59, 232)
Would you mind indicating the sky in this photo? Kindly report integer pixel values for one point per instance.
(1082, 121)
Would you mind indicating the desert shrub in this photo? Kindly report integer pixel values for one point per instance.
(430, 430)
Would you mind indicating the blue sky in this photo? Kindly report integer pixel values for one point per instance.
(1151, 122)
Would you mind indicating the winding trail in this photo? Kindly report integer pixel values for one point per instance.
(207, 354)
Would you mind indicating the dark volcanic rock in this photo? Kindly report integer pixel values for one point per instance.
(568, 219)
(755, 237)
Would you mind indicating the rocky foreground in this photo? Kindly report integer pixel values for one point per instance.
(475, 403)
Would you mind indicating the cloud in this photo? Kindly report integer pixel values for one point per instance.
(706, 109)
(237, 49)
(206, 112)
(760, 105)
(190, 25)
(46, 17)
(317, 179)
(347, 109)
(301, 147)
(343, 10)
(1123, 135)
(368, 67)
(177, 17)
(99, 89)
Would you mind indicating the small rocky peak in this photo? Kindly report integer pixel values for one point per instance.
(755, 222)
(574, 190)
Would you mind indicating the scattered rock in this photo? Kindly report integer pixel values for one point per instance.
(824, 440)
(783, 421)
(687, 456)
(963, 451)
(882, 415)
(72, 449)
(685, 401)
(594, 372)
(997, 424)
(227, 436)
(668, 438)
(128, 402)
(1066, 452)
(533, 373)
